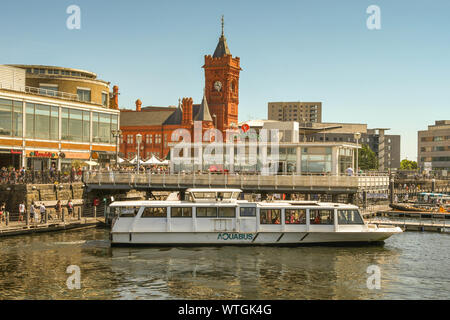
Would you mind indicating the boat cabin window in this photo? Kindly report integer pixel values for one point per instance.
(211, 212)
(181, 212)
(228, 212)
(295, 216)
(270, 216)
(204, 195)
(323, 216)
(349, 217)
(223, 195)
(152, 212)
(248, 212)
(206, 212)
(127, 212)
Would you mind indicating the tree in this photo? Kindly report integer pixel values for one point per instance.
(408, 165)
(367, 159)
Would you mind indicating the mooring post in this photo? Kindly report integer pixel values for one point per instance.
(7, 218)
(63, 211)
(27, 218)
(95, 212)
(79, 213)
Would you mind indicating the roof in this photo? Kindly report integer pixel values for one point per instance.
(222, 48)
(203, 112)
(175, 118)
(144, 118)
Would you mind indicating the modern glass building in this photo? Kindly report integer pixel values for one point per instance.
(40, 128)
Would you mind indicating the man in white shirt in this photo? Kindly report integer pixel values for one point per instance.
(21, 211)
(349, 171)
(42, 211)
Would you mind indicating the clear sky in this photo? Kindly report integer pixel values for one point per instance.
(396, 77)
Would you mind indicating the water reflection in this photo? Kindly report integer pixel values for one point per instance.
(34, 267)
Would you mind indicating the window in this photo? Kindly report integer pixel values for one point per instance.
(181, 212)
(270, 216)
(127, 212)
(155, 212)
(321, 216)
(5, 117)
(86, 125)
(228, 212)
(47, 89)
(295, 216)
(75, 125)
(42, 121)
(247, 212)
(84, 94)
(105, 99)
(349, 217)
(207, 212)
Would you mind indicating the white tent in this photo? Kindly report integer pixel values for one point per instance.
(120, 160)
(152, 160)
(134, 161)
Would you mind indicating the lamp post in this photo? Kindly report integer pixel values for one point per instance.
(116, 134)
(357, 137)
(138, 141)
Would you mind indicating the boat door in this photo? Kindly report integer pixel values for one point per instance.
(246, 220)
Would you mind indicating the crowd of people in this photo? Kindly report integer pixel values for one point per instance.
(22, 175)
(38, 212)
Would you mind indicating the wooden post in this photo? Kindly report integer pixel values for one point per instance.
(46, 216)
(79, 213)
(7, 218)
(27, 218)
(95, 212)
(63, 214)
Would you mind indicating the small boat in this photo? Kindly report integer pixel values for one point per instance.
(217, 217)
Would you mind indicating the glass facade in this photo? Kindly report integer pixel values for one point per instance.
(316, 160)
(102, 124)
(10, 118)
(41, 122)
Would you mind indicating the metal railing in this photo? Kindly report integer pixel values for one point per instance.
(52, 93)
(231, 180)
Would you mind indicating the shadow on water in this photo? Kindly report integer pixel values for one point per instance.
(34, 267)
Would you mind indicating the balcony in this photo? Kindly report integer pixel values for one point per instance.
(53, 93)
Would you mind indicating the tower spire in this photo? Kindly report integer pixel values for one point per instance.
(222, 46)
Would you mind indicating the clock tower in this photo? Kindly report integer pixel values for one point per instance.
(222, 85)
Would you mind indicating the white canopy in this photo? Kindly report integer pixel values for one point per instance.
(152, 160)
(134, 161)
(120, 160)
(91, 163)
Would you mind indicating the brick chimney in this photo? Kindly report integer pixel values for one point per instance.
(187, 111)
(138, 105)
(114, 100)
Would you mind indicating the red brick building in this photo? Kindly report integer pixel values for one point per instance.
(219, 109)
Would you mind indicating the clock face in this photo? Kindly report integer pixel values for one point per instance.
(218, 85)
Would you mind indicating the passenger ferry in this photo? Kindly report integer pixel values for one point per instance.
(217, 217)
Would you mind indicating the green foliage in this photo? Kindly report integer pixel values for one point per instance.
(408, 165)
(367, 159)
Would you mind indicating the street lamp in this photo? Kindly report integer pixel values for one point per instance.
(116, 134)
(357, 136)
(138, 141)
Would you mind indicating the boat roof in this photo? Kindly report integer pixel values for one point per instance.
(264, 204)
(213, 190)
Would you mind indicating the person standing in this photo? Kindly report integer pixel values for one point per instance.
(33, 212)
(21, 211)
(349, 171)
(2, 213)
(69, 208)
(58, 209)
(42, 212)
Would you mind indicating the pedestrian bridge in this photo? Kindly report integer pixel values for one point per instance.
(330, 184)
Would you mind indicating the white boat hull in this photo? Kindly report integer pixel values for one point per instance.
(261, 238)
